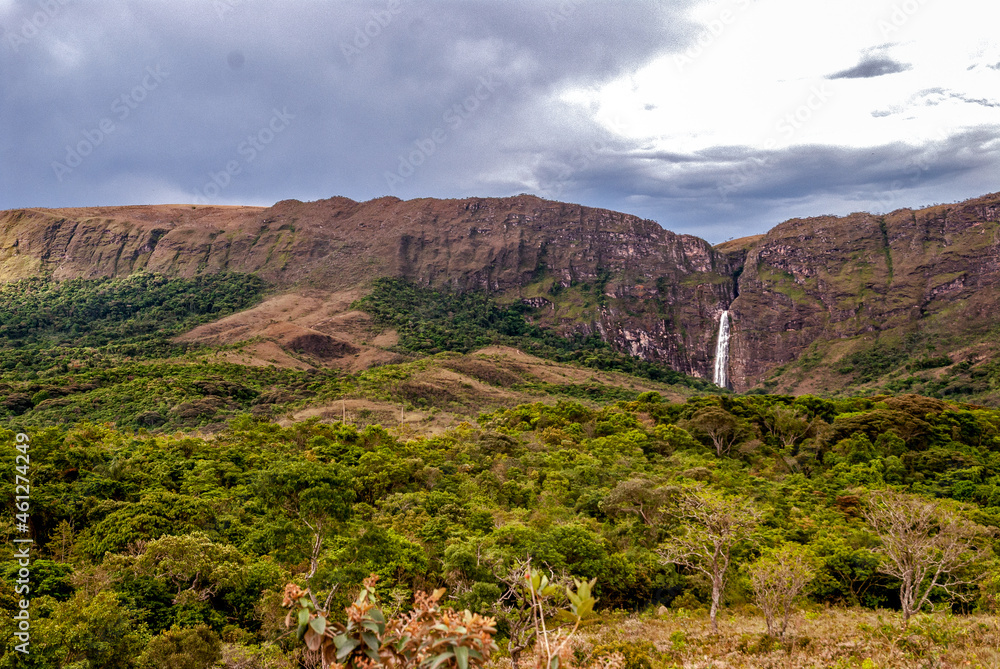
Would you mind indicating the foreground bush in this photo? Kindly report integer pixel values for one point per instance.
(429, 637)
(425, 637)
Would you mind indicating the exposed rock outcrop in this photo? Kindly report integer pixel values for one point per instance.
(651, 293)
(655, 292)
(820, 280)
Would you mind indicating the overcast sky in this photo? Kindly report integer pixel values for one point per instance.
(717, 118)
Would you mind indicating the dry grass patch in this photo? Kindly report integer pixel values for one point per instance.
(831, 638)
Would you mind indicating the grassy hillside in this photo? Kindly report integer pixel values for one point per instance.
(104, 351)
(928, 363)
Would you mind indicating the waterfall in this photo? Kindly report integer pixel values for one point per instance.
(722, 352)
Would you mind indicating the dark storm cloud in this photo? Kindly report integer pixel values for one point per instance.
(872, 67)
(735, 191)
(354, 85)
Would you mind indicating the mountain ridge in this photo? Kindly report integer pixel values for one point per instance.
(825, 287)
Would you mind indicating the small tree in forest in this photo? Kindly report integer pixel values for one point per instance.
(786, 424)
(723, 428)
(183, 648)
(641, 497)
(712, 525)
(193, 564)
(776, 580)
(317, 494)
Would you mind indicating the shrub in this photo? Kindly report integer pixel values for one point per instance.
(635, 655)
(183, 648)
(427, 636)
(777, 580)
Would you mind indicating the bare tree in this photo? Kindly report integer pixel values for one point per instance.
(712, 525)
(928, 547)
(777, 580)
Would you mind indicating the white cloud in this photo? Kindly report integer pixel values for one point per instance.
(757, 63)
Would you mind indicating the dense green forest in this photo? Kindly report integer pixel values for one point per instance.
(138, 533)
(80, 322)
(431, 321)
(157, 545)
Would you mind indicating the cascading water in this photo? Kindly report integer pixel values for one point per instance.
(722, 352)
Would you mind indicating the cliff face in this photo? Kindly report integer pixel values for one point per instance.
(835, 285)
(821, 286)
(652, 293)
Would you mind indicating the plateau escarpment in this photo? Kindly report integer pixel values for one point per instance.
(829, 287)
(803, 299)
(650, 292)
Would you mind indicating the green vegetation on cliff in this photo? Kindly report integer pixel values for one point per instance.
(866, 304)
(45, 322)
(430, 321)
(917, 362)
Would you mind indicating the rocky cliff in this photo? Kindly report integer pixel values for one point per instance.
(833, 286)
(653, 293)
(809, 292)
